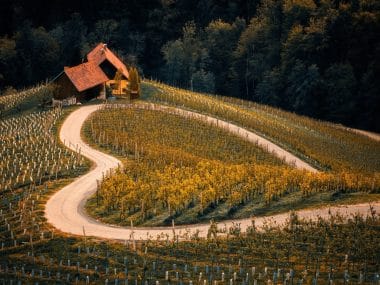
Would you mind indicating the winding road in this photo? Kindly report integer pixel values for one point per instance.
(65, 209)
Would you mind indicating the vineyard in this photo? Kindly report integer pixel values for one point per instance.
(13, 102)
(31, 161)
(183, 169)
(174, 167)
(29, 148)
(30, 152)
(325, 145)
(331, 251)
(322, 252)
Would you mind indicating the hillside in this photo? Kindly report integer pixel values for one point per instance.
(328, 146)
(182, 170)
(190, 142)
(34, 251)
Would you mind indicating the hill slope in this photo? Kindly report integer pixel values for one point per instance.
(327, 146)
(345, 150)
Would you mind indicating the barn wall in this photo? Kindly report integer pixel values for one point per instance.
(66, 89)
(90, 93)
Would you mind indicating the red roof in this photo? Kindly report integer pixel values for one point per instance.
(101, 53)
(89, 74)
(86, 75)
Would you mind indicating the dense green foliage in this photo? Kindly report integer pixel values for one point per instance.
(319, 58)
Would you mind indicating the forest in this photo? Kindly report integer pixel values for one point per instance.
(319, 58)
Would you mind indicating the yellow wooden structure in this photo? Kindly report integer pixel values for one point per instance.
(119, 87)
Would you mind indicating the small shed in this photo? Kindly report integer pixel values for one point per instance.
(89, 79)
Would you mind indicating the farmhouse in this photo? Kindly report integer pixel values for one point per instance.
(102, 71)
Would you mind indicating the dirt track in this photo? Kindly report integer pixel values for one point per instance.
(371, 135)
(64, 210)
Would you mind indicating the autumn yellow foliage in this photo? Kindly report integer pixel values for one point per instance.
(174, 163)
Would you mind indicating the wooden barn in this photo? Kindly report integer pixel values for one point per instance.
(103, 69)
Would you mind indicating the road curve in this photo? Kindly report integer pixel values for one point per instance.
(371, 135)
(65, 209)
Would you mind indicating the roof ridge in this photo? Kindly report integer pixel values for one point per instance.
(89, 74)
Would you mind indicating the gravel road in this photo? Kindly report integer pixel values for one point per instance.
(65, 209)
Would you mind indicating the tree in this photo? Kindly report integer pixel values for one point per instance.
(203, 81)
(134, 83)
(45, 55)
(104, 31)
(270, 89)
(183, 57)
(72, 39)
(220, 42)
(37, 54)
(297, 12)
(24, 47)
(369, 99)
(192, 50)
(118, 77)
(174, 56)
(303, 88)
(340, 85)
(258, 48)
(8, 56)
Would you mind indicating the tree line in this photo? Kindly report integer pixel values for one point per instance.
(316, 57)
